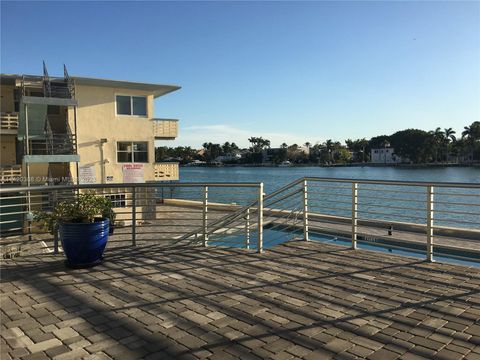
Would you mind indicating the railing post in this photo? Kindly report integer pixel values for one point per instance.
(305, 211)
(55, 228)
(134, 217)
(55, 240)
(205, 216)
(430, 223)
(354, 214)
(247, 229)
(260, 219)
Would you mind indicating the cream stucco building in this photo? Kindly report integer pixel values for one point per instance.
(57, 130)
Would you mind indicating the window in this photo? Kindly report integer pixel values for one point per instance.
(123, 105)
(129, 151)
(118, 200)
(139, 104)
(131, 105)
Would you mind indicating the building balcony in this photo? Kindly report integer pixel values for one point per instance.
(166, 171)
(9, 123)
(165, 128)
(10, 174)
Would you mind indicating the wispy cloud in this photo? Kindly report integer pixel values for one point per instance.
(195, 136)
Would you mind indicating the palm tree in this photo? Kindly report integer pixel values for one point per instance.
(363, 143)
(350, 144)
(438, 137)
(329, 145)
(259, 143)
(234, 148)
(472, 134)
(449, 135)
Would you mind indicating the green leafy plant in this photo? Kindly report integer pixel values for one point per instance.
(84, 209)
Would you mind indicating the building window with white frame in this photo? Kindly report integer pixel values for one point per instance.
(131, 105)
(132, 152)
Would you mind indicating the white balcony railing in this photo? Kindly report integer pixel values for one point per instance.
(165, 128)
(166, 171)
(10, 174)
(9, 122)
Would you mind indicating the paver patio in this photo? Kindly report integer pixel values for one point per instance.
(298, 300)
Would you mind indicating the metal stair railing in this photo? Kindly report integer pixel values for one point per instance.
(59, 143)
(233, 224)
(48, 136)
(47, 89)
(70, 82)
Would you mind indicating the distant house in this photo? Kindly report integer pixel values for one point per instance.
(228, 158)
(384, 156)
(196, 163)
(271, 154)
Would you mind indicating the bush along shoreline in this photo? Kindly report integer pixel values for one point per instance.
(410, 147)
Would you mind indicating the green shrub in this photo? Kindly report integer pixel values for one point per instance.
(84, 209)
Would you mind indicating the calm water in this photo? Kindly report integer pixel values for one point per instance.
(275, 237)
(453, 207)
(274, 178)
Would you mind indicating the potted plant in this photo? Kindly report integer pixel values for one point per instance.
(83, 225)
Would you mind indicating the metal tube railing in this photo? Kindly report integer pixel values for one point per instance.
(430, 223)
(203, 214)
(260, 219)
(354, 214)
(305, 210)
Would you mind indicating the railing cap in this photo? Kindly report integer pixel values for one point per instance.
(395, 182)
(164, 119)
(6, 190)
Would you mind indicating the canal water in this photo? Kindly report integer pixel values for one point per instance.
(458, 208)
(448, 211)
(276, 177)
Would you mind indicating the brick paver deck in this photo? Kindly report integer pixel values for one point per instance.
(298, 300)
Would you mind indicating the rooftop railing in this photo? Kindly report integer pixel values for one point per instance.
(421, 217)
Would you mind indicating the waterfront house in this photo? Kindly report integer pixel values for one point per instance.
(229, 158)
(384, 156)
(67, 129)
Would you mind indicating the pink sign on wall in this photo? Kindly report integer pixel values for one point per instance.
(133, 173)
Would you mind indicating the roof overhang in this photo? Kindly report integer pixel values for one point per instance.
(9, 79)
(156, 89)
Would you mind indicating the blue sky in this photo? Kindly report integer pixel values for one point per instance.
(287, 71)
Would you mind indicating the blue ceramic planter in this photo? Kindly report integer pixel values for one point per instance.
(83, 243)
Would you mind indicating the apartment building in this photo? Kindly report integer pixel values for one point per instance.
(60, 130)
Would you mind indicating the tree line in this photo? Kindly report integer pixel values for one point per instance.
(412, 145)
